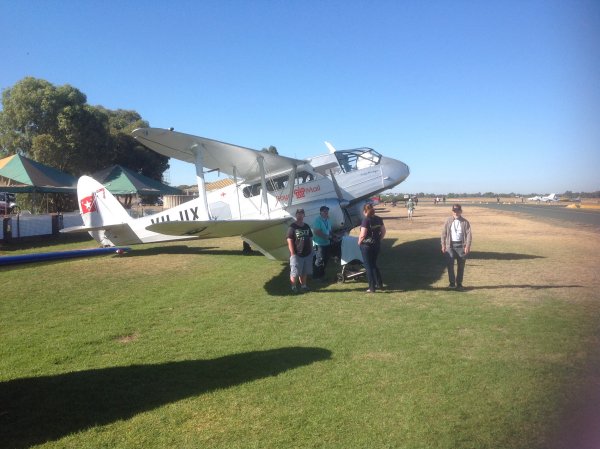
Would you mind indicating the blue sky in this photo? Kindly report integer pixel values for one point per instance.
(475, 96)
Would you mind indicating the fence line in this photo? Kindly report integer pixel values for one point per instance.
(15, 227)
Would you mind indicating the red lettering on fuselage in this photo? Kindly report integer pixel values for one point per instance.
(300, 192)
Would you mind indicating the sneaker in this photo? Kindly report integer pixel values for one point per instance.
(294, 289)
(370, 291)
(460, 288)
(305, 288)
(452, 285)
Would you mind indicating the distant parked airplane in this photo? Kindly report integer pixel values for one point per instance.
(545, 199)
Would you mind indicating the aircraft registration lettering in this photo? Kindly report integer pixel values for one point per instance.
(160, 219)
(194, 214)
(190, 214)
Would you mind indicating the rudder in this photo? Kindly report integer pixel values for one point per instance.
(99, 208)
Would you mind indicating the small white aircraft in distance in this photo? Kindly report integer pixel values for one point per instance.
(258, 205)
(545, 199)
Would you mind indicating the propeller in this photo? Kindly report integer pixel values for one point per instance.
(343, 203)
(330, 147)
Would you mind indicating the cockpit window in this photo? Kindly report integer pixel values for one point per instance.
(358, 159)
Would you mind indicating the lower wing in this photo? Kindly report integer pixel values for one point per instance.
(267, 236)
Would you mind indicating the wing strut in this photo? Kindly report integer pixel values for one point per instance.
(205, 213)
(263, 183)
(292, 184)
(237, 192)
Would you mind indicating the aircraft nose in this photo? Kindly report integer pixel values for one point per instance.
(393, 171)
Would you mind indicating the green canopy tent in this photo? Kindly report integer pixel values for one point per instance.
(123, 181)
(19, 174)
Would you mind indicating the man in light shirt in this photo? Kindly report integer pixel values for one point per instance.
(410, 206)
(456, 245)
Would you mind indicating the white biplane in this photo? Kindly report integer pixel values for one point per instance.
(258, 205)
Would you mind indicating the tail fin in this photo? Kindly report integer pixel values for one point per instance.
(100, 211)
(98, 207)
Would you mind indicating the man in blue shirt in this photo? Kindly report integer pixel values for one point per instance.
(321, 238)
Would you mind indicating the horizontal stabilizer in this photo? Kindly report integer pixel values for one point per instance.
(75, 229)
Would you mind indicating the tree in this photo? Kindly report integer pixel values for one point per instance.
(31, 108)
(127, 151)
(56, 126)
(81, 144)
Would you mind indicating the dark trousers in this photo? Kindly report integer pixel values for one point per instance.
(369, 255)
(456, 252)
(321, 259)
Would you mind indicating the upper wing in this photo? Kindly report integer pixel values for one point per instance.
(216, 155)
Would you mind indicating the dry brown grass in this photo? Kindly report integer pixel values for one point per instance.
(520, 262)
(512, 251)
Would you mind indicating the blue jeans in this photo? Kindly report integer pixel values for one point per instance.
(321, 258)
(456, 252)
(369, 255)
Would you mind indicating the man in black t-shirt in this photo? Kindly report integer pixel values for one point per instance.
(299, 238)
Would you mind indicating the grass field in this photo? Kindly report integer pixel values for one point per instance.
(198, 346)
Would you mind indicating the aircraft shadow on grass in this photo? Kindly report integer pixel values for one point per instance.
(40, 409)
(413, 265)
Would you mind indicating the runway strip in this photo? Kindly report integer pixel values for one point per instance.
(558, 213)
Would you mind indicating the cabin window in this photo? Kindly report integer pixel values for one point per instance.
(304, 177)
(253, 190)
(276, 184)
(358, 159)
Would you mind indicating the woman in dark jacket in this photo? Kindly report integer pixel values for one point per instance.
(372, 231)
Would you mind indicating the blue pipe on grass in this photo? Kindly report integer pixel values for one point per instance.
(56, 255)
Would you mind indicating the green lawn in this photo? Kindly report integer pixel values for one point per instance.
(199, 346)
